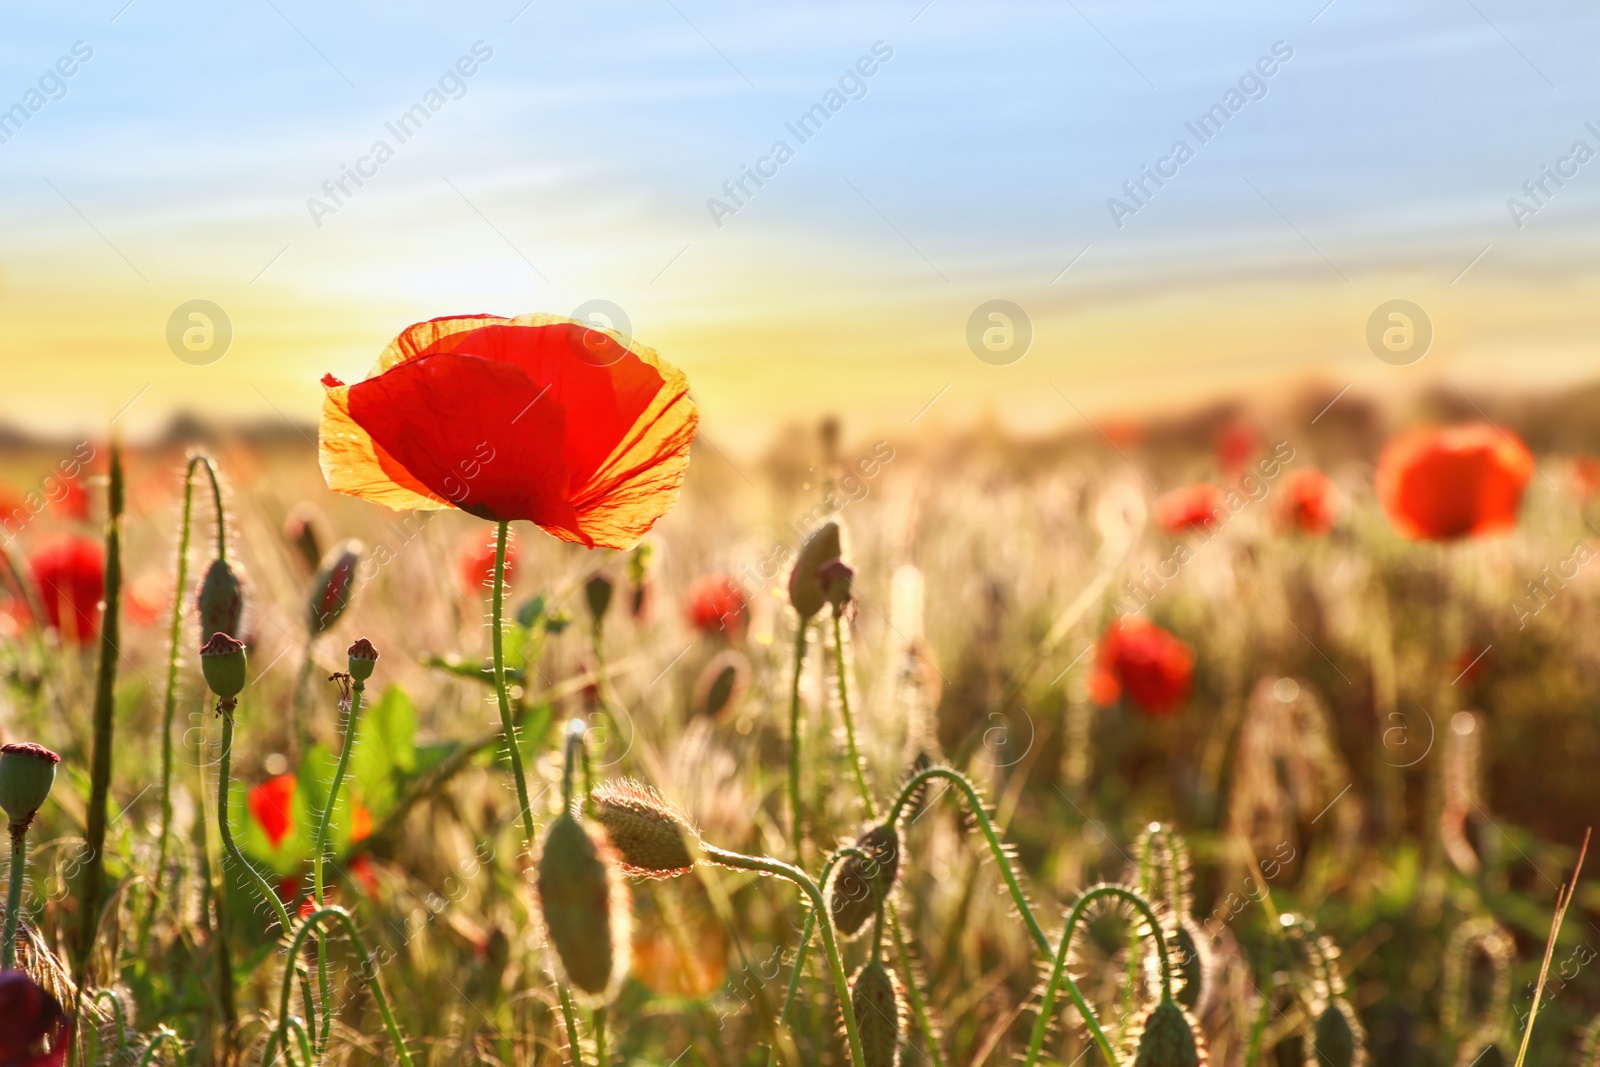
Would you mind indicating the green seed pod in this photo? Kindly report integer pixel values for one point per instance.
(1336, 1037)
(877, 1000)
(597, 594)
(363, 658)
(332, 588)
(222, 661)
(27, 771)
(220, 601)
(585, 908)
(806, 590)
(858, 887)
(1169, 1038)
(651, 836)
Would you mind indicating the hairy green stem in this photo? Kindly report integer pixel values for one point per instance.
(369, 974)
(162, 1036)
(805, 941)
(919, 1007)
(569, 1018)
(19, 861)
(598, 1021)
(797, 826)
(897, 810)
(856, 765)
(1058, 971)
(320, 857)
(765, 865)
(507, 723)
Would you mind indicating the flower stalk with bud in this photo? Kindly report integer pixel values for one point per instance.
(27, 771)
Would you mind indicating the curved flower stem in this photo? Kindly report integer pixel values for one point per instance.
(1058, 971)
(225, 832)
(163, 1035)
(368, 973)
(764, 865)
(975, 804)
(849, 720)
(797, 826)
(320, 857)
(919, 1007)
(508, 725)
(19, 870)
(805, 942)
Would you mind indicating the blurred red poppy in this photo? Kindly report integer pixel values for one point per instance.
(271, 805)
(70, 573)
(1586, 476)
(1310, 502)
(74, 500)
(1237, 442)
(716, 604)
(1445, 484)
(1194, 507)
(475, 561)
(574, 428)
(37, 1033)
(1140, 660)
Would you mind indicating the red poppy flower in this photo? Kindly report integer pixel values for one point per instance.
(1237, 442)
(1194, 507)
(717, 604)
(37, 1033)
(70, 573)
(1586, 476)
(475, 563)
(574, 428)
(1139, 659)
(1310, 501)
(1465, 481)
(271, 805)
(74, 501)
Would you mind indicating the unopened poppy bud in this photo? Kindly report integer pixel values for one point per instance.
(722, 684)
(300, 530)
(27, 771)
(650, 835)
(1168, 1038)
(859, 886)
(222, 662)
(333, 586)
(806, 591)
(835, 576)
(220, 600)
(585, 908)
(1336, 1037)
(597, 592)
(880, 1010)
(363, 657)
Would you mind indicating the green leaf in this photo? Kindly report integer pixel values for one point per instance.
(385, 752)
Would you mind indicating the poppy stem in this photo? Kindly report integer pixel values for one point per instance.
(598, 1021)
(19, 859)
(507, 724)
(320, 857)
(919, 1008)
(569, 1016)
(849, 720)
(797, 824)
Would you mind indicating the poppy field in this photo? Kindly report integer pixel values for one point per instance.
(506, 720)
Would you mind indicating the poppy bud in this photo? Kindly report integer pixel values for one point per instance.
(806, 591)
(650, 835)
(220, 601)
(722, 684)
(1168, 1039)
(1336, 1037)
(597, 592)
(333, 585)
(880, 1010)
(27, 771)
(585, 908)
(37, 1030)
(300, 530)
(363, 657)
(222, 662)
(859, 886)
(835, 576)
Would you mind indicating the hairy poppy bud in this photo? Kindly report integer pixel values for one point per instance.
(333, 585)
(220, 600)
(1169, 1039)
(836, 576)
(585, 908)
(1336, 1037)
(27, 771)
(859, 886)
(597, 593)
(363, 657)
(880, 1010)
(722, 684)
(222, 662)
(806, 591)
(650, 835)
